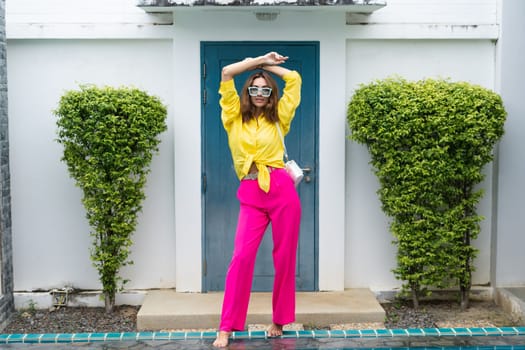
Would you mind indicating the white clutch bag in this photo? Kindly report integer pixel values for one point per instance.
(295, 172)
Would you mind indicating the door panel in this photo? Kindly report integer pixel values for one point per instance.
(220, 204)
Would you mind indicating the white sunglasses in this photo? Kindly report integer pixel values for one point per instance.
(255, 90)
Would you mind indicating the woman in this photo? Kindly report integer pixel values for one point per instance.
(266, 193)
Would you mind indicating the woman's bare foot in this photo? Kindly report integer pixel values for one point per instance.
(275, 330)
(222, 339)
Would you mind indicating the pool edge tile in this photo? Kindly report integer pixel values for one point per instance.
(46, 338)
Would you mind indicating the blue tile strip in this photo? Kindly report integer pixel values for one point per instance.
(168, 336)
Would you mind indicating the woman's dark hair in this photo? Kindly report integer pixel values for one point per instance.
(270, 110)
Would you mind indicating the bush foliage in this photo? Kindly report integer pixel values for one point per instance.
(109, 136)
(428, 142)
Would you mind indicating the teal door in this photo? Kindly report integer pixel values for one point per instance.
(219, 182)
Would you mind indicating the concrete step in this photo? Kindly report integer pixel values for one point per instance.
(170, 310)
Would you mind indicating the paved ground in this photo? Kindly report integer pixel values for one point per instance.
(457, 338)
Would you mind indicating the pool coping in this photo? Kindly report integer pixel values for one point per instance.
(47, 338)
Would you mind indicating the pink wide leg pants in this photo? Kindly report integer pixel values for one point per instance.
(281, 207)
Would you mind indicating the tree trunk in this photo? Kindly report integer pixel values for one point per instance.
(466, 281)
(415, 298)
(109, 301)
(465, 303)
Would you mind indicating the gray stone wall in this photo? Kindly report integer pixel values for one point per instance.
(6, 254)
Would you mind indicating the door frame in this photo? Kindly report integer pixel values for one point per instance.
(316, 46)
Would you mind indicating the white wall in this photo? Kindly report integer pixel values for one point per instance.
(435, 12)
(50, 234)
(370, 255)
(510, 233)
(91, 19)
(354, 243)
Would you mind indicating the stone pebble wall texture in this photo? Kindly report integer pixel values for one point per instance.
(6, 254)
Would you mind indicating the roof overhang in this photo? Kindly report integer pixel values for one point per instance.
(355, 6)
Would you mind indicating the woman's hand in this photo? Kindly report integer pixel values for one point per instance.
(271, 63)
(273, 58)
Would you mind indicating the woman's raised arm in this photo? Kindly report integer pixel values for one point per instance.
(269, 62)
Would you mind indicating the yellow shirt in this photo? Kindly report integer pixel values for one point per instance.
(258, 141)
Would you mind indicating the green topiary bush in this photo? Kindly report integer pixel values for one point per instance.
(428, 142)
(109, 136)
